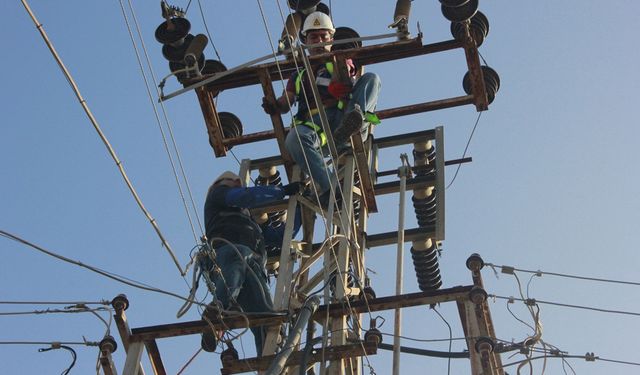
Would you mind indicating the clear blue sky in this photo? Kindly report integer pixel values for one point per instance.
(551, 186)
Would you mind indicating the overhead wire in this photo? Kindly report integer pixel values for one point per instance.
(325, 126)
(67, 348)
(107, 274)
(103, 302)
(102, 136)
(509, 269)
(466, 147)
(294, 56)
(166, 120)
(532, 300)
(54, 311)
(282, 79)
(349, 215)
(564, 356)
(83, 343)
(206, 27)
(450, 337)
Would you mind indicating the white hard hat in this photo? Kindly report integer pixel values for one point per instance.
(317, 21)
(227, 175)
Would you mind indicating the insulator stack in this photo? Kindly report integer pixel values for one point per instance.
(424, 199)
(212, 67)
(459, 10)
(346, 33)
(181, 48)
(425, 262)
(425, 205)
(351, 282)
(491, 82)
(478, 27)
(230, 125)
(424, 156)
(402, 11)
(271, 176)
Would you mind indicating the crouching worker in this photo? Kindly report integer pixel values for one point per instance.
(237, 269)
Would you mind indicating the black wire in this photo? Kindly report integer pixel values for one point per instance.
(73, 356)
(465, 150)
(518, 319)
(450, 337)
(204, 21)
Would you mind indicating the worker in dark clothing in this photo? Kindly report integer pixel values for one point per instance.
(349, 106)
(238, 268)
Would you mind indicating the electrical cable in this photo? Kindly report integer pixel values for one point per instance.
(104, 139)
(450, 337)
(67, 348)
(93, 269)
(518, 319)
(287, 98)
(318, 105)
(564, 356)
(103, 302)
(509, 269)
(52, 343)
(166, 119)
(53, 311)
(294, 57)
(532, 300)
(464, 153)
(204, 21)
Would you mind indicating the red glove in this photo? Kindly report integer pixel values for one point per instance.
(339, 90)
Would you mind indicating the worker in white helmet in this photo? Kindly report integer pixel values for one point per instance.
(349, 106)
(238, 268)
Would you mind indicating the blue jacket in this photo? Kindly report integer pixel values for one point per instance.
(227, 216)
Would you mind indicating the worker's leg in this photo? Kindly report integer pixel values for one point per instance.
(305, 147)
(365, 96)
(227, 272)
(231, 260)
(255, 297)
(365, 93)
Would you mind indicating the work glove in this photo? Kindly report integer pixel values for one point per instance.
(270, 106)
(339, 90)
(292, 188)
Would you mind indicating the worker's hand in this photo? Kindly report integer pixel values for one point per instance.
(292, 188)
(339, 90)
(270, 106)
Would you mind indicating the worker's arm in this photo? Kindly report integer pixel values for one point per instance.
(281, 105)
(249, 197)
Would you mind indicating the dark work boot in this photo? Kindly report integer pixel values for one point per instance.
(351, 124)
(326, 197)
(209, 341)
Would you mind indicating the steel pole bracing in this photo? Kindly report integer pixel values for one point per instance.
(397, 328)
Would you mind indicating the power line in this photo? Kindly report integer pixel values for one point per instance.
(589, 358)
(75, 303)
(85, 343)
(464, 153)
(532, 301)
(102, 136)
(91, 268)
(53, 311)
(509, 270)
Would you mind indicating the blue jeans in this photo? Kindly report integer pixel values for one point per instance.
(247, 288)
(303, 141)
